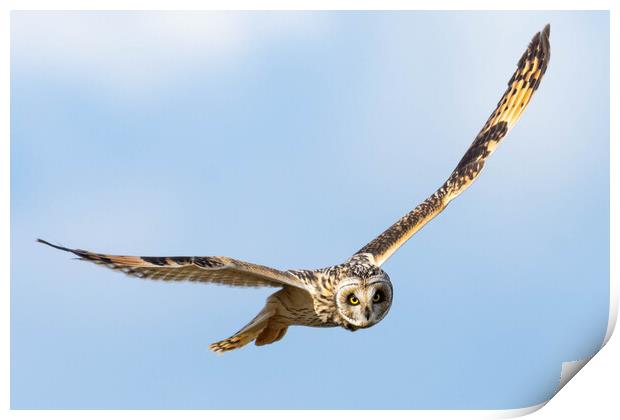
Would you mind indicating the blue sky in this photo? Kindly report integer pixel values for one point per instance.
(291, 140)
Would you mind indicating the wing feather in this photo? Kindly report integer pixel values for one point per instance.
(521, 87)
(219, 270)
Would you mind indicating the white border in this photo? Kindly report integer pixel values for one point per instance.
(568, 369)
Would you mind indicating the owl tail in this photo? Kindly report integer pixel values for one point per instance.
(261, 328)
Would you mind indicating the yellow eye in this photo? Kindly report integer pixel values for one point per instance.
(378, 297)
(353, 300)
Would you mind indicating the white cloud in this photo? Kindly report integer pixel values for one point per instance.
(133, 50)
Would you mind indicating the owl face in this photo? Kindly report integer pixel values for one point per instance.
(362, 303)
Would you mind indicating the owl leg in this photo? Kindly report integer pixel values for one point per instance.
(271, 334)
(247, 334)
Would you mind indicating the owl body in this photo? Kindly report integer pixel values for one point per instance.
(357, 293)
(353, 295)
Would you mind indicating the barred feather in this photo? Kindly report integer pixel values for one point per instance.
(521, 86)
(219, 270)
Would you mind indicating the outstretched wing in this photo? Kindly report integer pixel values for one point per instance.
(521, 87)
(220, 270)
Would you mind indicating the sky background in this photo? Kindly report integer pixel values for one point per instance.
(291, 140)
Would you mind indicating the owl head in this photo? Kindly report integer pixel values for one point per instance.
(362, 302)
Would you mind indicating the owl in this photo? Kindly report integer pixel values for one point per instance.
(357, 293)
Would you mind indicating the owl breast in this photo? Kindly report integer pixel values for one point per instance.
(298, 307)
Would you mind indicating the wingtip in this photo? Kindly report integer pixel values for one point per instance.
(546, 46)
(540, 45)
(62, 248)
(543, 36)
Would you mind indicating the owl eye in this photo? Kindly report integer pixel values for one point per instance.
(378, 297)
(353, 300)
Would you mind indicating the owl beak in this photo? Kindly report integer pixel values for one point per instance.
(367, 313)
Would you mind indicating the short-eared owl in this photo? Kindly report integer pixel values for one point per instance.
(357, 293)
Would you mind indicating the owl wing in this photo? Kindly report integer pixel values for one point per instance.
(524, 82)
(219, 270)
